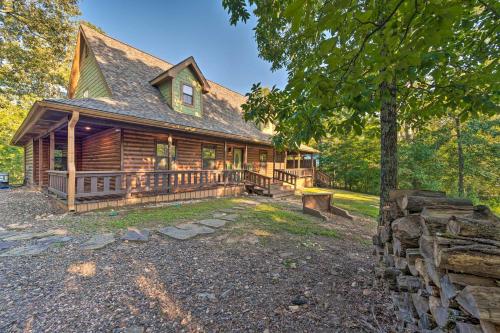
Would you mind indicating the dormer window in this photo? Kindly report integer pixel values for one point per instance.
(187, 94)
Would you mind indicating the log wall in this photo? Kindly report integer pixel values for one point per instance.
(28, 163)
(101, 151)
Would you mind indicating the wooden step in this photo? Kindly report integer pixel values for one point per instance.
(282, 193)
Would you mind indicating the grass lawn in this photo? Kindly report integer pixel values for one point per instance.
(357, 203)
(264, 219)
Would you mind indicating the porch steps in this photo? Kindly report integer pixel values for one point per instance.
(280, 190)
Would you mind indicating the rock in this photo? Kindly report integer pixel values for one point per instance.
(218, 215)
(181, 234)
(7, 234)
(207, 296)
(136, 235)
(18, 226)
(214, 223)
(299, 300)
(231, 217)
(54, 240)
(6, 245)
(294, 308)
(28, 250)
(35, 235)
(196, 228)
(98, 241)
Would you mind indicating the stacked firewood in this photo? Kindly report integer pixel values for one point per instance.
(440, 257)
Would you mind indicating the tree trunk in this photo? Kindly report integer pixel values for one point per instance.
(388, 142)
(460, 156)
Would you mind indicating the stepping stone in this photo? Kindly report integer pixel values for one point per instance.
(6, 245)
(35, 235)
(181, 234)
(240, 208)
(214, 223)
(28, 250)
(98, 241)
(218, 215)
(196, 228)
(231, 217)
(18, 226)
(54, 240)
(136, 235)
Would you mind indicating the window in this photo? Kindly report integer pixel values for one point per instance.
(60, 160)
(187, 94)
(263, 159)
(208, 157)
(162, 155)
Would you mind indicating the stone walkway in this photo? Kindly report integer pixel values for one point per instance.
(18, 240)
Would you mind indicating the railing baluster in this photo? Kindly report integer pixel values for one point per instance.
(93, 184)
(106, 184)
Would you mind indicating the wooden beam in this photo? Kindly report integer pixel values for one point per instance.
(71, 160)
(170, 144)
(274, 160)
(298, 158)
(224, 166)
(246, 157)
(286, 158)
(40, 162)
(52, 147)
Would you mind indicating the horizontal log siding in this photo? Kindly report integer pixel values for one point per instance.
(253, 160)
(28, 162)
(280, 160)
(35, 162)
(101, 151)
(139, 149)
(45, 160)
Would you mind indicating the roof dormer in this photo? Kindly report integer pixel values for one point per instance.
(182, 87)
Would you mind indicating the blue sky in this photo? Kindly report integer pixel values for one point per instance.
(174, 30)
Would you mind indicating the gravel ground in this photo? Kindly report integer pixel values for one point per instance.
(213, 283)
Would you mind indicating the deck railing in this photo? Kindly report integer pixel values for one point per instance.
(300, 173)
(322, 178)
(111, 183)
(285, 176)
(259, 180)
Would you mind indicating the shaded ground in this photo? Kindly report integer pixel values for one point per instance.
(274, 269)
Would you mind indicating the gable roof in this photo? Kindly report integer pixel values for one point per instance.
(128, 72)
(174, 70)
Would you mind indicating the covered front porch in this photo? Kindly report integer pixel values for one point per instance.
(90, 163)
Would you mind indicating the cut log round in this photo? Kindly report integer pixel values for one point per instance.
(468, 227)
(407, 228)
(483, 260)
(415, 204)
(436, 219)
(481, 302)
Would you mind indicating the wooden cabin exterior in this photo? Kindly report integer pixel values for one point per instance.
(137, 129)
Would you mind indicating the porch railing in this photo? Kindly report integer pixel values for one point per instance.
(300, 173)
(110, 183)
(285, 176)
(323, 179)
(259, 180)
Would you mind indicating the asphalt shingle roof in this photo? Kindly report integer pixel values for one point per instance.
(128, 72)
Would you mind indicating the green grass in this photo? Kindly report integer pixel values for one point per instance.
(262, 220)
(357, 203)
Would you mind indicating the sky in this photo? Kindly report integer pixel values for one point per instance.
(174, 30)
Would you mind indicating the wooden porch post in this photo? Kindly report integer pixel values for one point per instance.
(71, 160)
(170, 141)
(224, 166)
(286, 158)
(40, 162)
(298, 157)
(274, 160)
(245, 161)
(52, 147)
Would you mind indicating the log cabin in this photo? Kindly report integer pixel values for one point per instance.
(134, 128)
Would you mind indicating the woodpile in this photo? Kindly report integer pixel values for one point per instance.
(440, 258)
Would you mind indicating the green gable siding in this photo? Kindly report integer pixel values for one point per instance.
(166, 91)
(186, 76)
(91, 79)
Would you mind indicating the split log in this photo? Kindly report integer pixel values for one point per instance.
(481, 302)
(482, 212)
(466, 328)
(405, 307)
(436, 219)
(422, 270)
(489, 327)
(394, 211)
(395, 194)
(426, 245)
(407, 228)
(385, 233)
(483, 260)
(468, 227)
(465, 280)
(420, 303)
(433, 272)
(409, 283)
(448, 290)
(438, 311)
(399, 246)
(401, 264)
(411, 256)
(425, 322)
(415, 204)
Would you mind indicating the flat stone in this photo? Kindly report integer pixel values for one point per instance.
(214, 223)
(217, 215)
(196, 228)
(207, 296)
(54, 240)
(136, 235)
(240, 208)
(230, 217)
(7, 234)
(35, 235)
(28, 250)
(18, 226)
(181, 234)
(98, 241)
(6, 245)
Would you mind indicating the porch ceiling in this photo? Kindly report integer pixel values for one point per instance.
(40, 124)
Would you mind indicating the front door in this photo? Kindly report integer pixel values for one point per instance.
(237, 158)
